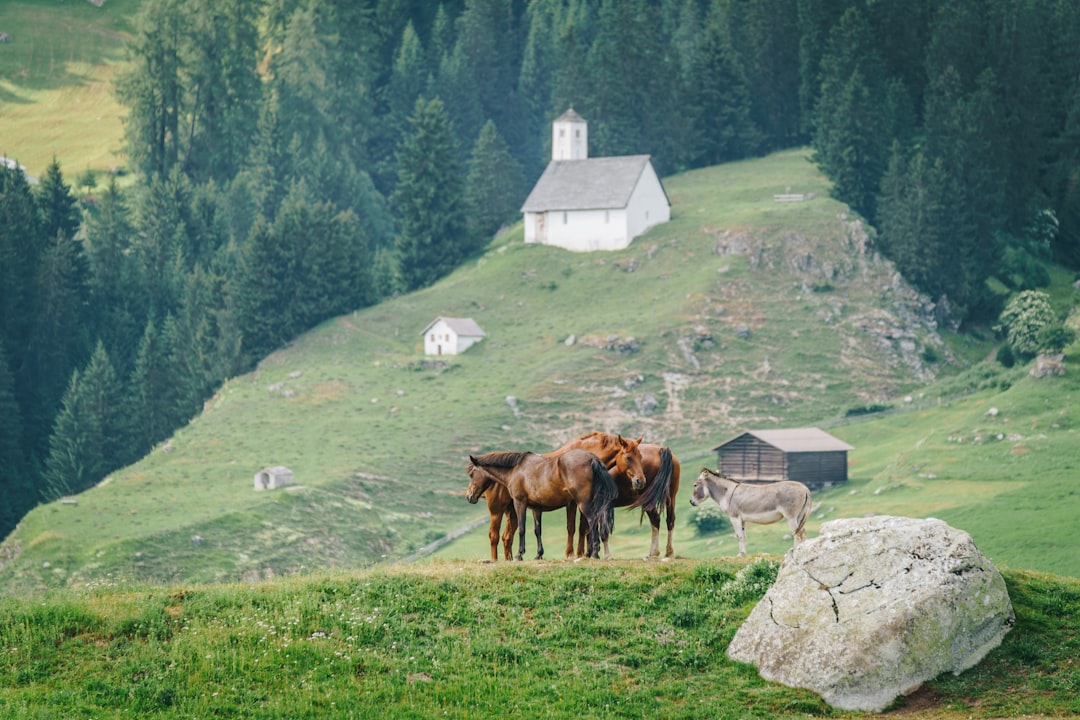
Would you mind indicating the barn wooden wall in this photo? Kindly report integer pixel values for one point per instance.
(748, 458)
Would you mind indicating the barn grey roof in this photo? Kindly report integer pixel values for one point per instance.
(462, 326)
(795, 440)
(603, 183)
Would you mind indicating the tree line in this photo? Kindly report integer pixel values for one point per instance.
(291, 160)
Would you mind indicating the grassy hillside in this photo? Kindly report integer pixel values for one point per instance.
(56, 75)
(457, 639)
(741, 312)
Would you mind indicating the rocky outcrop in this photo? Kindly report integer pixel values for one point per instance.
(872, 608)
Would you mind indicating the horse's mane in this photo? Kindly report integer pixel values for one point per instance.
(500, 459)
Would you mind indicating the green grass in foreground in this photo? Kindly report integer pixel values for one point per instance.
(451, 639)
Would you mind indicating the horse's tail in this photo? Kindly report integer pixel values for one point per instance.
(655, 494)
(602, 503)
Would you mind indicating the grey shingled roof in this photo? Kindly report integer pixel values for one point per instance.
(795, 440)
(604, 183)
(462, 326)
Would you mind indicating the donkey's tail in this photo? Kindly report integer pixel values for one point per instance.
(655, 494)
(804, 513)
(602, 503)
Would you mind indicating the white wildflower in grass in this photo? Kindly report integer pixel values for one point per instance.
(750, 583)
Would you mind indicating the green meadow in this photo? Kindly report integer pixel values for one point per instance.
(56, 87)
(621, 639)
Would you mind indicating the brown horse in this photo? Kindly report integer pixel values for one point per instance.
(547, 483)
(621, 456)
(661, 485)
(499, 505)
(624, 461)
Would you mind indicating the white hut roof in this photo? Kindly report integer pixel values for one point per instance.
(604, 183)
(466, 327)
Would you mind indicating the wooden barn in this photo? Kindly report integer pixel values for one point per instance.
(812, 456)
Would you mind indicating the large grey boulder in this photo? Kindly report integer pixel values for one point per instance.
(873, 607)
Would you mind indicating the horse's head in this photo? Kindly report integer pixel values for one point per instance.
(628, 462)
(479, 481)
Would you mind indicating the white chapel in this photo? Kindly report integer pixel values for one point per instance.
(585, 204)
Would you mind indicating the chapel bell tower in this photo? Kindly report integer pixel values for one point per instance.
(569, 137)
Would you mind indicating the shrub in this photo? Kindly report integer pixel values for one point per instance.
(1005, 356)
(1023, 319)
(709, 519)
(1055, 338)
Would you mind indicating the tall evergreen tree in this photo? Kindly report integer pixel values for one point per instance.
(147, 400)
(850, 143)
(487, 39)
(495, 185)
(222, 49)
(116, 281)
(21, 245)
(152, 87)
(59, 209)
(430, 199)
(264, 289)
(58, 341)
(720, 107)
(86, 437)
(163, 224)
(17, 494)
(770, 64)
(408, 81)
(911, 214)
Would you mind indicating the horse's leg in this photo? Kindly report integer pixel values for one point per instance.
(582, 533)
(519, 510)
(654, 523)
(740, 533)
(571, 528)
(493, 534)
(508, 535)
(539, 540)
(670, 553)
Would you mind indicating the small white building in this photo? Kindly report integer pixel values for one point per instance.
(271, 478)
(585, 204)
(451, 336)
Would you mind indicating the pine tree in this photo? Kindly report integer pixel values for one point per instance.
(264, 289)
(17, 493)
(850, 141)
(163, 224)
(59, 209)
(116, 282)
(720, 108)
(910, 219)
(494, 188)
(222, 49)
(85, 442)
(152, 87)
(144, 403)
(430, 199)
(21, 245)
(58, 340)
